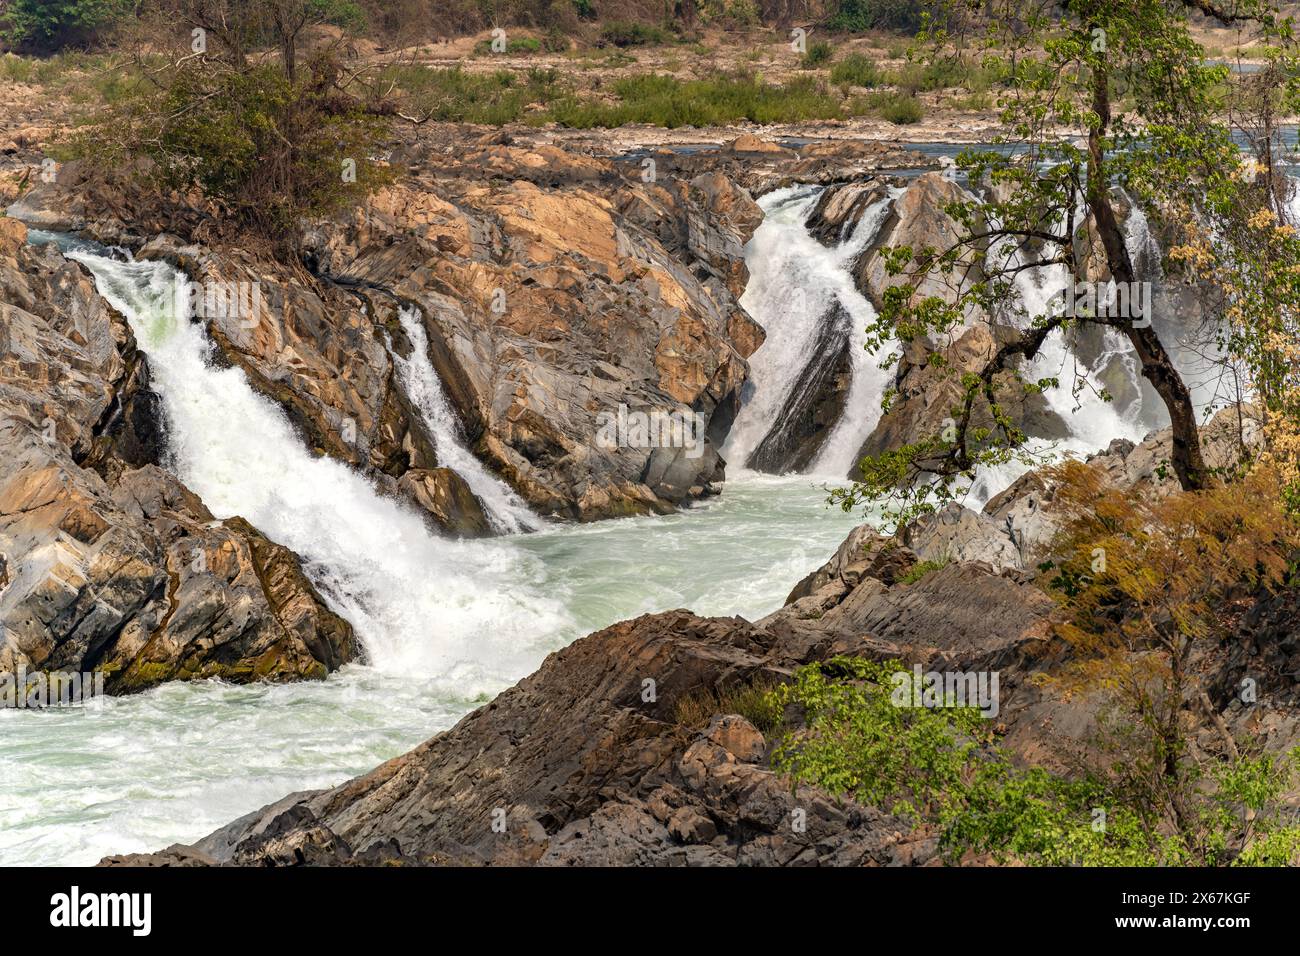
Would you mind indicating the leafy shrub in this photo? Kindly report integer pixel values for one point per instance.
(263, 147)
(856, 69)
(938, 767)
(909, 760)
(858, 15)
(630, 33)
(555, 41)
(899, 108)
(939, 75)
(818, 53)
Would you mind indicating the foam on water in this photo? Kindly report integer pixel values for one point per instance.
(464, 613)
(446, 624)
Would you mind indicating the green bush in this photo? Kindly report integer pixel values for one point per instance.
(817, 54)
(856, 742)
(939, 767)
(48, 25)
(856, 69)
(516, 46)
(264, 148)
(941, 75)
(901, 109)
(624, 34)
(858, 15)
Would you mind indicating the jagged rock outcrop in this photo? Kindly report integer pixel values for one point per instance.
(556, 294)
(111, 563)
(589, 761)
(1015, 528)
(815, 403)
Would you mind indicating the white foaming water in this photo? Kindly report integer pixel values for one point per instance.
(867, 381)
(177, 762)
(1092, 421)
(446, 624)
(794, 280)
(507, 512)
(461, 613)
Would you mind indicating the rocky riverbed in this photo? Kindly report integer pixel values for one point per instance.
(448, 354)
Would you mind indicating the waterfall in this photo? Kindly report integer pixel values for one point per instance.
(867, 382)
(505, 510)
(470, 615)
(796, 286)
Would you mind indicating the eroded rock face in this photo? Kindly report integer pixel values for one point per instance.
(110, 562)
(815, 403)
(557, 293)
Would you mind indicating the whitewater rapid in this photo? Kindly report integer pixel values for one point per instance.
(446, 625)
(464, 613)
(794, 282)
(507, 512)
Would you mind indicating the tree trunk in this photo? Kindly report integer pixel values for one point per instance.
(1157, 365)
(289, 52)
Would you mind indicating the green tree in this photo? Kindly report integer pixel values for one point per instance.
(227, 101)
(48, 25)
(939, 767)
(1052, 202)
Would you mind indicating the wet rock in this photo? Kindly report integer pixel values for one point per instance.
(583, 764)
(839, 209)
(447, 499)
(111, 563)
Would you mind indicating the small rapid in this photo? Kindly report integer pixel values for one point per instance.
(507, 512)
(795, 284)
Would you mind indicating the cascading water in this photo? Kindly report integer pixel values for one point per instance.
(795, 283)
(505, 510)
(457, 612)
(446, 624)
